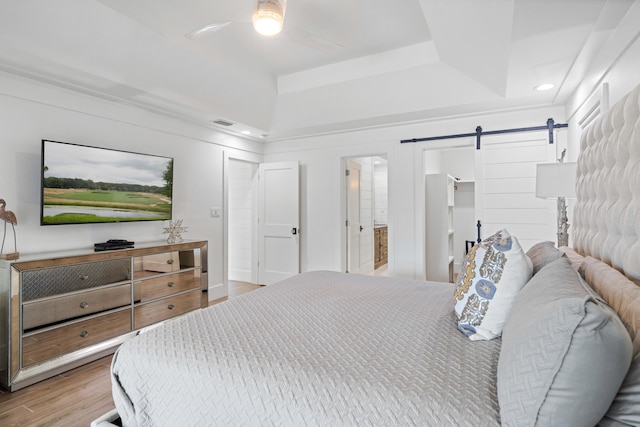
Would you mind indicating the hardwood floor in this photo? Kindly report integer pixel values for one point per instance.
(74, 398)
(236, 289)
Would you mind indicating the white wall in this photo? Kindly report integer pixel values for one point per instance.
(33, 111)
(459, 162)
(380, 191)
(322, 186)
(617, 65)
(432, 162)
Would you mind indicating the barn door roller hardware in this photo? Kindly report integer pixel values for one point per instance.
(479, 133)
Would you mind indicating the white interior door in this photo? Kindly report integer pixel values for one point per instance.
(278, 221)
(353, 214)
(360, 215)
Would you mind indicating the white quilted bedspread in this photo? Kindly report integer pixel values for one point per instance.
(321, 348)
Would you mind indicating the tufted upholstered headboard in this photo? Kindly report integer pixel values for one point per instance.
(607, 211)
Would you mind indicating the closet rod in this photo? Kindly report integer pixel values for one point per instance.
(479, 132)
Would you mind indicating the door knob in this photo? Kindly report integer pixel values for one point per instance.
(361, 228)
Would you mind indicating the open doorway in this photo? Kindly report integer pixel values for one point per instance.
(261, 221)
(366, 212)
(450, 216)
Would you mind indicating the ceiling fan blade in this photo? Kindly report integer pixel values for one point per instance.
(309, 39)
(207, 29)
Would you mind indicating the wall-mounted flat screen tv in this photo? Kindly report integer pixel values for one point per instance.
(83, 184)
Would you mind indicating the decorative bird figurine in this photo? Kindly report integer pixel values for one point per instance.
(8, 217)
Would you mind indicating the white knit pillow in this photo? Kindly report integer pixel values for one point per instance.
(491, 276)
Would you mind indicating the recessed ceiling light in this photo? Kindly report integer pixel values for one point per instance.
(544, 86)
(246, 132)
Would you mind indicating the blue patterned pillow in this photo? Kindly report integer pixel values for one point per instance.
(491, 276)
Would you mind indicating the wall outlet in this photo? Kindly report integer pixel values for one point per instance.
(215, 212)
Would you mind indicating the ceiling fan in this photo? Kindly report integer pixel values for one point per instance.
(268, 20)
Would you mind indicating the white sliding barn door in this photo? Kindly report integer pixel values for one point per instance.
(278, 221)
(506, 187)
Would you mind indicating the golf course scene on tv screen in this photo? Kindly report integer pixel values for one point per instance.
(83, 184)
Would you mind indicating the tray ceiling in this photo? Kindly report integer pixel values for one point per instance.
(337, 65)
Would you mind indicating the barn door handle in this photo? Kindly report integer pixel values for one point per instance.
(294, 230)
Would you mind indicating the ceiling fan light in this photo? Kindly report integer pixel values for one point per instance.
(269, 17)
(267, 25)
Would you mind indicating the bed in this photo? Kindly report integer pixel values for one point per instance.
(321, 348)
(561, 346)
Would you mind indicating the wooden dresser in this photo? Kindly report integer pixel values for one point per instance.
(61, 310)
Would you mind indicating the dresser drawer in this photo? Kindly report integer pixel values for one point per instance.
(51, 281)
(53, 310)
(68, 338)
(162, 263)
(147, 314)
(158, 287)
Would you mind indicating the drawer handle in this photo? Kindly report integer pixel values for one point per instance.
(84, 304)
(171, 306)
(84, 277)
(84, 334)
(170, 284)
(169, 261)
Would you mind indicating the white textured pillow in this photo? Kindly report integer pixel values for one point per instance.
(564, 355)
(491, 276)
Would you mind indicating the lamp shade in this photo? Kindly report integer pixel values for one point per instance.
(556, 180)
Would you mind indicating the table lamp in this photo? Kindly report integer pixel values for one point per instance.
(557, 180)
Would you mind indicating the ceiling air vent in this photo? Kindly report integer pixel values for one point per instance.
(222, 122)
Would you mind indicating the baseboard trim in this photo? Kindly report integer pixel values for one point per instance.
(218, 291)
(240, 275)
